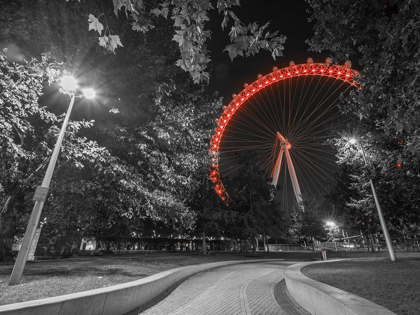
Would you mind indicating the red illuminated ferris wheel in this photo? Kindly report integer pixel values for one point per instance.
(287, 112)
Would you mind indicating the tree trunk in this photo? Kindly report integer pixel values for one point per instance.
(254, 247)
(371, 241)
(204, 245)
(266, 242)
(8, 218)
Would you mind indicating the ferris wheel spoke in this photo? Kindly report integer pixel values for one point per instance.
(293, 111)
(261, 133)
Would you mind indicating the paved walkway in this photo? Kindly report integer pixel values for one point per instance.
(248, 289)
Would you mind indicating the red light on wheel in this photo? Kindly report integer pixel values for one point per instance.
(333, 72)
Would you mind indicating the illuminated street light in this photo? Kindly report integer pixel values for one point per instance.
(89, 93)
(68, 83)
(69, 86)
(378, 207)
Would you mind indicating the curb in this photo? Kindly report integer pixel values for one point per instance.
(321, 299)
(114, 300)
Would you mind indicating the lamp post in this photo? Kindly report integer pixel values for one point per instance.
(69, 85)
(378, 207)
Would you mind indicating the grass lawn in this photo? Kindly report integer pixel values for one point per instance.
(394, 285)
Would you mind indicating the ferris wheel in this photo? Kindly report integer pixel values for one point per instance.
(286, 113)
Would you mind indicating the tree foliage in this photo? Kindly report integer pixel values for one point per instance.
(142, 158)
(384, 113)
(190, 18)
(253, 211)
(308, 220)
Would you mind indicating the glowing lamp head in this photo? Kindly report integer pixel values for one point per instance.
(89, 93)
(68, 83)
(399, 165)
(352, 141)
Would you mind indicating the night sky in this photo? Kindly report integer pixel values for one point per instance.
(287, 16)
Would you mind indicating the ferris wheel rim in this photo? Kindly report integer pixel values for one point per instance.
(327, 69)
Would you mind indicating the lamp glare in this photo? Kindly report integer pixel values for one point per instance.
(68, 83)
(89, 93)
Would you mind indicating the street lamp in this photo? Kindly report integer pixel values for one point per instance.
(378, 207)
(69, 86)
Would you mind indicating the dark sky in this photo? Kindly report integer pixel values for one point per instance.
(287, 16)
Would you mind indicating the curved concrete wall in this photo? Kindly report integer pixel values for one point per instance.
(321, 299)
(114, 300)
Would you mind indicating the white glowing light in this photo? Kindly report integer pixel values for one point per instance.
(68, 83)
(89, 93)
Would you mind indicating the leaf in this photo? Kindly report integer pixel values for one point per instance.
(238, 47)
(103, 41)
(114, 41)
(118, 4)
(160, 12)
(225, 21)
(110, 42)
(94, 24)
(277, 52)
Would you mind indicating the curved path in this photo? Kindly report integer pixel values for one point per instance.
(248, 289)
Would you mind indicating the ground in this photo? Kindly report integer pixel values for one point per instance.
(393, 285)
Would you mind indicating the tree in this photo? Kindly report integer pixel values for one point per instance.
(384, 36)
(210, 212)
(189, 24)
(308, 220)
(28, 132)
(255, 213)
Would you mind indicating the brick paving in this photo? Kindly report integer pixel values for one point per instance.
(243, 289)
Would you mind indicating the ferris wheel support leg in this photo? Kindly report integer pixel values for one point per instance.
(293, 177)
(276, 170)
